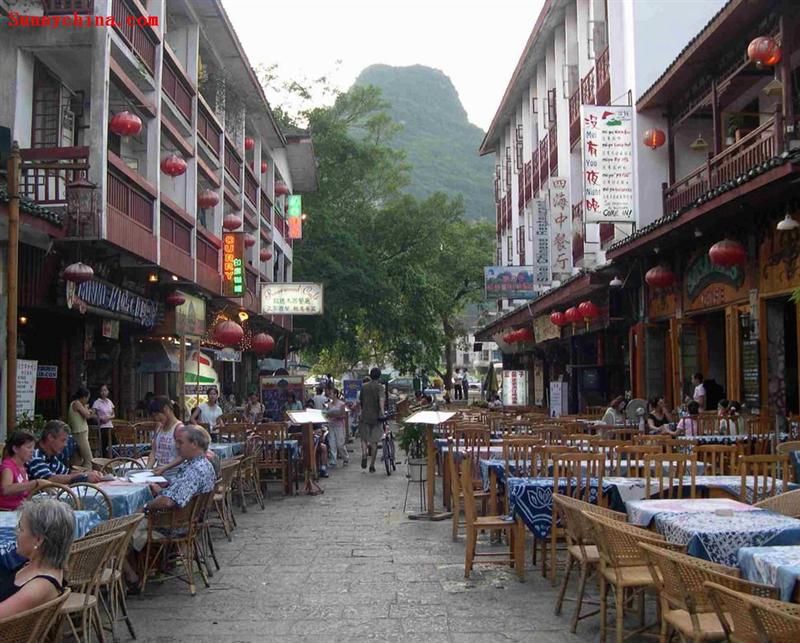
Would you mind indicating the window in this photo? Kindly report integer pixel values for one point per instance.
(510, 249)
(45, 127)
(207, 253)
(176, 232)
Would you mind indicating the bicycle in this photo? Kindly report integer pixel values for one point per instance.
(388, 450)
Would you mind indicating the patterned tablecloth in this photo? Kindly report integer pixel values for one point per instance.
(130, 450)
(126, 498)
(733, 485)
(85, 521)
(732, 439)
(778, 566)
(225, 450)
(642, 512)
(719, 538)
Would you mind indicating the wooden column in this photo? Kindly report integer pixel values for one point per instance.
(733, 353)
(671, 151)
(787, 24)
(12, 277)
(715, 118)
(182, 377)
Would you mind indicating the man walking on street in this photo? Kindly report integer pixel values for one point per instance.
(372, 401)
(465, 385)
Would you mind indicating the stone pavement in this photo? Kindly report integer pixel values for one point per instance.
(349, 566)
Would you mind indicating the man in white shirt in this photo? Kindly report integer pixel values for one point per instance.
(699, 391)
(320, 399)
(210, 412)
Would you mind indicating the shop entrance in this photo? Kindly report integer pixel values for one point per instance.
(704, 350)
(783, 385)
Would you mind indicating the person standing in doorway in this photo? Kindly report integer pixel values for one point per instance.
(210, 412)
(699, 391)
(104, 408)
(77, 418)
(465, 385)
(372, 405)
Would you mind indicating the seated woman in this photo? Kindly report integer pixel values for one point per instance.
(614, 413)
(496, 404)
(726, 426)
(689, 426)
(14, 484)
(659, 419)
(44, 536)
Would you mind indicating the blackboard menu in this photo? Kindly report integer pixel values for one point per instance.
(750, 380)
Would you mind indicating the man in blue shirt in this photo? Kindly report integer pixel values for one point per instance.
(47, 463)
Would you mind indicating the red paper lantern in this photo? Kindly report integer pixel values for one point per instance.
(173, 165)
(175, 299)
(262, 343)
(659, 277)
(764, 51)
(573, 315)
(557, 318)
(727, 253)
(654, 138)
(232, 222)
(78, 273)
(249, 143)
(263, 167)
(249, 240)
(125, 124)
(207, 199)
(508, 338)
(265, 254)
(268, 236)
(281, 189)
(588, 310)
(228, 333)
(524, 335)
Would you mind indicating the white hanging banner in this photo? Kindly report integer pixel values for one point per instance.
(560, 222)
(607, 146)
(541, 243)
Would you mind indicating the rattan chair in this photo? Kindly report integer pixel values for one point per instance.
(145, 432)
(205, 544)
(754, 619)
(248, 481)
(223, 494)
(580, 548)
(33, 625)
(59, 492)
(235, 432)
(623, 566)
(124, 442)
(121, 467)
(786, 448)
(92, 497)
(766, 471)
(717, 459)
(87, 560)
(685, 604)
(787, 503)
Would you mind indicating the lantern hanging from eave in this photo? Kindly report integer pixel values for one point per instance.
(249, 240)
(557, 318)
(265, 254)
(125, 124)
(281, 189)
(173, 165)
(660, 277)
(508, 338)
(588, 310)
(573, 315)
(78, 273)
(175, 299)
(262, 343)
(727, 253)
(207, 199)
(764, 51)
(249, 143)
(524, 335)
(263, 167)
(654, 138)
(228, 333)
(231, 222)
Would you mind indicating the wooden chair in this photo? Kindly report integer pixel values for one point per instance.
(92, 497)
(580, 548)
(634, 460)
(235, 432)
(787, 448)
(205, 544)
(717, 459)
(748, 618)
(145, 432)
(666, 443)
(235, 417)
(475, 523)
(686, 607)
(59, 492)
(121, 467)
(248, 482)
(523, 457)
(87, 560)
(707, 423)
(786, 503)
(668, 471)
(623, 566)
(34, 625)
(123, 442)
(457, 498)
(766, 471)
(274, 457)
(223, 494)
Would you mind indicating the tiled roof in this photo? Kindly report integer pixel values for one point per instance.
(29, 207)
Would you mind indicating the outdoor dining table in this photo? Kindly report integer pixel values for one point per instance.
(642, 512)
(731, 439)
(85, 521)
(126, 497)
(777, 566)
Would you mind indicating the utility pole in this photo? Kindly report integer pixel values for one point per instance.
(13, 270)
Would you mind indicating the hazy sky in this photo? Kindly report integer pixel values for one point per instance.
(463, 38)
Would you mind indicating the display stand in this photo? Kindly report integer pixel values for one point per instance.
(307, 419)
(430, 419)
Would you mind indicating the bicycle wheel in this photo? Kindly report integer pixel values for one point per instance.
(392, 451)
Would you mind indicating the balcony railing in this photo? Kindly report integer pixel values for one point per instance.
(552, 148)
(250, 186)
(755, 148)
(544, 165)
(233, 162)
(535, 172)
(207, 264)
(281, 226)
(176, 85)
(577, 240)
(142, 40)
(130, 212)
(207, 126)
(67, 7)
(265, 207)
(603, 79)
(587, 88)
(46, 172)
(574, 117)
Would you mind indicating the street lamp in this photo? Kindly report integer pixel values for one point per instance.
(82, 209)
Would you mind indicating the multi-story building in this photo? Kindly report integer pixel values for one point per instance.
(144, 228)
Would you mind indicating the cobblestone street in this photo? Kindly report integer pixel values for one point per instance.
(350, 566)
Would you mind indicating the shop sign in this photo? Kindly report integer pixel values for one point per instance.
(104, 296)
(544, 329)
(702, 273)
(227, 355)
(26, 386)
(46, 377)
(509, 282)
(541, 244)
(190, 317)
(294, 216)
(750, 369)
(538, 382)
(560, 222)
(233, 264)
(515, 388)
(291, 299)
(607, 135)
(110, 328)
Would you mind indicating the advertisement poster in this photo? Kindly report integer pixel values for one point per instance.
(560, 221)
(559, 399)
(509, 282)
(190, 316)
(275, 391)
(291, 299)
(515, 388)
(607, 147)
(541, 244)
(351, 389)
(26, 386)
(46, 377)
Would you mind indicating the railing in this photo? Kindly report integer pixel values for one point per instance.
(130, 215)
(527, 182)
(141, 39)
(534, 172)
(176, 86)
(250, 187)
(508, 209)
(587, 88)
(281, 226)
(233, 162)
(207, 264)
(603, 79)
(577, 240)
(207, 127)
(574, 117)
(46, 172)
(544, 167)
(265, 207)
(251, 280)
(552, 148)
(755, 148)
(67, 7)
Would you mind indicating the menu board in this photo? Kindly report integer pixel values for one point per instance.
(26, 386)
(750, 380)
(275, 392)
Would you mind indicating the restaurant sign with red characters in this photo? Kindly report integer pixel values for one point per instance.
(560, 229)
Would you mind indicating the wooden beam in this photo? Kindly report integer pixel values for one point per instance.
(129, 88)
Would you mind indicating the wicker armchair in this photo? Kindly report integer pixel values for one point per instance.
(248, 480)
(59, 492)
(92, 497)
(33, 625)
(787, 503)
(753, 618)
(121, 467)
(223, 494)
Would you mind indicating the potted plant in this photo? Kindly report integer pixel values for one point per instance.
(412, 440)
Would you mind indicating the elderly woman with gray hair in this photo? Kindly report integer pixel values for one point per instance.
(44, 536)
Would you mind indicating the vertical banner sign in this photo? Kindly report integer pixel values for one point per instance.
(294, 214)
(541, 244)
(515, 388)
(233, 264)
(560, 221)
(607, 163)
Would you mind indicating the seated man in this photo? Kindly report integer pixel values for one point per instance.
(47, 463)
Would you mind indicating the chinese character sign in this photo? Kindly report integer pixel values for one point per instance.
(560, 222)
(607, 163)
(291, 299)
(515, 388)
(294, 206)
(541, 244)
(294, 216)
(233, 284)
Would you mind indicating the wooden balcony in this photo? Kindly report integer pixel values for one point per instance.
(250, 186)
(130, 203)
(544, 163)
(575, 117)
(755, 148)
(534, 173)
(607, 234)
(143, 41)
(176, 84)
(177, 261)
(67, 7)
(603, 79)
(521, 245)
(45, 172)
(587, 88)
(281, 226)
(265, 207)
(233, 162)
(253, 302)
(552, 148)
(207, 262)
(176, 239)
(208, 127)
(577, 241)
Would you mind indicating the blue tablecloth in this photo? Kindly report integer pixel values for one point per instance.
(85, 521)
(732, 439)
(130, 450)
(126, 498)
(225, 450)
(733, 485)
(719, 538)
(778, 566)
(642, 512)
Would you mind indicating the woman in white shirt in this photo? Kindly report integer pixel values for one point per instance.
(614, 413)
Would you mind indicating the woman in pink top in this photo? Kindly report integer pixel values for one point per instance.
(14, 483)
(689, 426)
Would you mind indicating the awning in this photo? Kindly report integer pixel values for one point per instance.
(157, 357)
